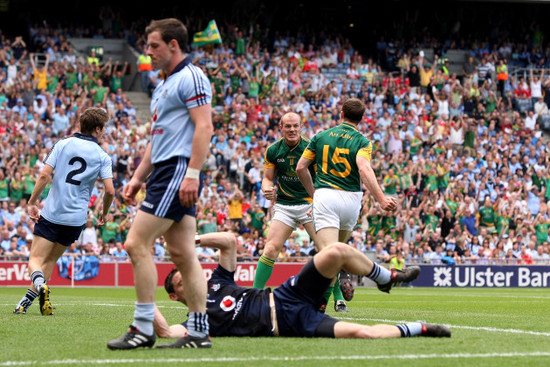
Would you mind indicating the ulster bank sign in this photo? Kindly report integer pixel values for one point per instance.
(483, 276)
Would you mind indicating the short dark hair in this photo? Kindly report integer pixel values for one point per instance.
(91, 118)
(170, 29)
(168, 285)
(353, 110)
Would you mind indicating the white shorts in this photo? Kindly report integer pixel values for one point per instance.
(336, 208)
(291, 215)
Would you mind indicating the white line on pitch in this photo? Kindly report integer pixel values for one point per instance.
(285, 358)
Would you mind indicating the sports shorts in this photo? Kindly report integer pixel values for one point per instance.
(291, 215)
(57, 233)
(297, 303)
(336, 208)
(162, 190)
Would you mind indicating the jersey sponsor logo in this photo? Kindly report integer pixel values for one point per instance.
(238, 307)
(157, 131)
(228, 303)
(147, 205)
(342, 135)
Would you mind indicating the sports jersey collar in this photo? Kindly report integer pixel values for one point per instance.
(350, 125)
(85, 137)
(181, 65)
(294, 146)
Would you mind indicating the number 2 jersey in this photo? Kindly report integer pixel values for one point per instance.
(334, 152)
(77, 161)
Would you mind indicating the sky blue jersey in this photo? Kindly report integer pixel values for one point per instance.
(172, 129)
(78, 161)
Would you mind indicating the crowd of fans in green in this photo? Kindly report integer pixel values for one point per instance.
(466, 160)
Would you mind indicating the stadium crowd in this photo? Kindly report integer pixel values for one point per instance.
(467, 164)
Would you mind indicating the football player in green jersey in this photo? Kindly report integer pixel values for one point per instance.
(292, 202)
(342, 157)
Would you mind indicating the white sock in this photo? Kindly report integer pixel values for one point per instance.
(197, 325)
(144, 315)
(380, 275)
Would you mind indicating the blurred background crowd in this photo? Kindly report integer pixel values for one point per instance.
(461, 146)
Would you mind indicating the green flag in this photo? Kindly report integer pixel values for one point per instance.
(209, 36)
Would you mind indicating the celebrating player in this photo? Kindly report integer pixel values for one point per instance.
(292, 200)
(342, 157)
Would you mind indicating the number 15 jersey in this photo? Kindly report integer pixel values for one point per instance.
(334, 152)
(77, 161)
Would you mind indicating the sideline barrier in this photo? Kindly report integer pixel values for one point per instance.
(490, 276)
(120, 274)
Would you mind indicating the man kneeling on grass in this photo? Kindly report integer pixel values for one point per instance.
(292, 308)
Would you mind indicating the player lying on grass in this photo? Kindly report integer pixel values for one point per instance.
(291, 309)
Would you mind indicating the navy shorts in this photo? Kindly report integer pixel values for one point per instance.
(298, 301)
(162, 196)
(57, 233)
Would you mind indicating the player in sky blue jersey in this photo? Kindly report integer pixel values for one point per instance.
(181, 130)
(76, 163)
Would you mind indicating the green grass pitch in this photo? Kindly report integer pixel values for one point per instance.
(491, 327)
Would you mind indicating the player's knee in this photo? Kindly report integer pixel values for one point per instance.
(133, 248)
(271, 250)
(337, 251)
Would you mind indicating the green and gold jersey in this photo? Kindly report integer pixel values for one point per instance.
(71, 79)
(334, 152)
(541, 231)
(4, 191)
(453, 206)
(443, 179)
(503, 224)
(486, 216)
(284, 160)
(375, 224)
(431, 181)
(116, 83)
(388, 222)
(432, 221)
(416, 144)
(390, 184)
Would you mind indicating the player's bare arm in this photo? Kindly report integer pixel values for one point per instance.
(108, 197)
(43, 178)
(202, 118)
(140, 175)
(369, 179)
(304, 175)
(268, 187)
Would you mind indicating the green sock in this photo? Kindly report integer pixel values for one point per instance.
(327, 294)
(264, 269)
(337, 292)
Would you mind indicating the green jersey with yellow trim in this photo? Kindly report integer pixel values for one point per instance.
(334, 152)
(284, 160)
